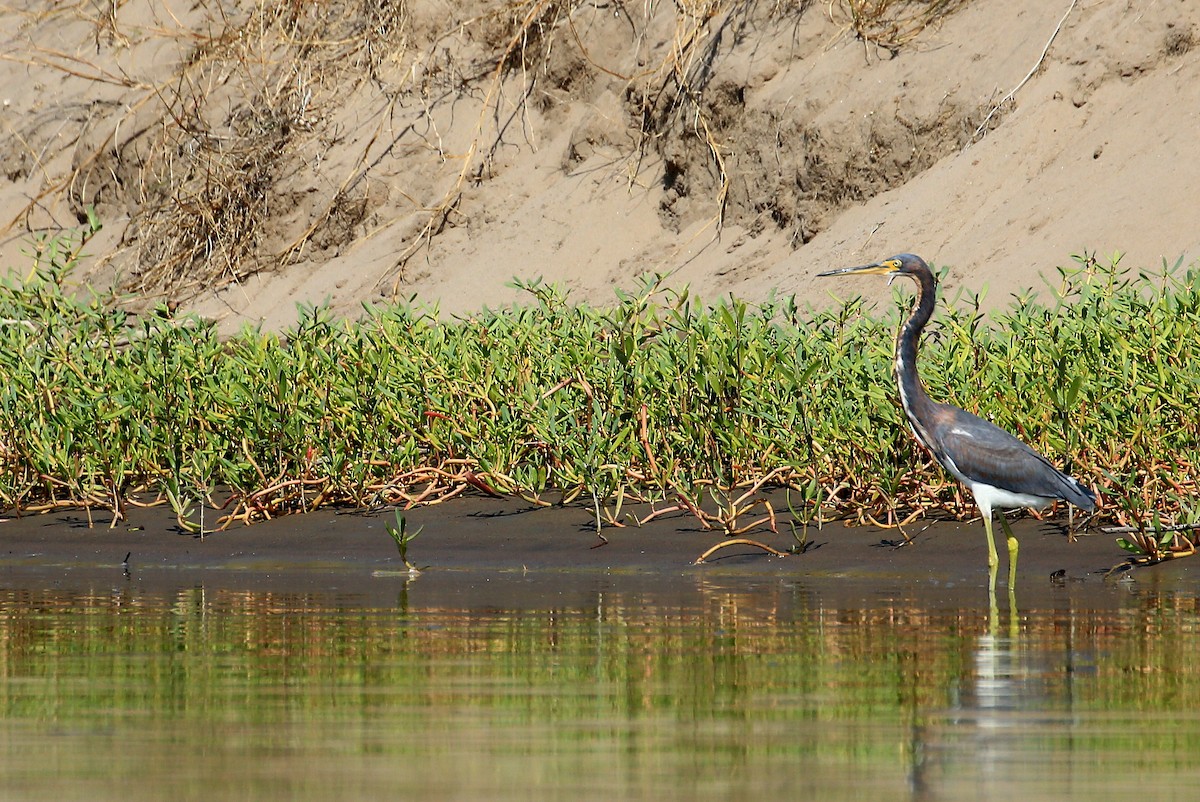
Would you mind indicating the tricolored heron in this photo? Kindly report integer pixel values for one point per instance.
(1000, 471)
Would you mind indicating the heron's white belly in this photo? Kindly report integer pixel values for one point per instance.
(991, 498)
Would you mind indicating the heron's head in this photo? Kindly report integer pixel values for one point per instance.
(904, 264)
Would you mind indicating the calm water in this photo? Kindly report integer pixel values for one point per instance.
(467, 686)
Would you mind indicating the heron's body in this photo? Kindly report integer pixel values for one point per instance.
(1000, 471)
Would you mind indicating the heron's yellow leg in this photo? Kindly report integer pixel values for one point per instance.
(1013, 546)
(993, 560)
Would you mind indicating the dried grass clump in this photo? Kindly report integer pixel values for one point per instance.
(247, 100)
(891, 24)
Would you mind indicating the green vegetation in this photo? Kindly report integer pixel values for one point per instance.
(657, 398)
(402, 537)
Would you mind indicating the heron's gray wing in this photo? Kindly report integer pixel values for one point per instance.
(983, 452)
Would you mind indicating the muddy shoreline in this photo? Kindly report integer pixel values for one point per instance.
(488, 552)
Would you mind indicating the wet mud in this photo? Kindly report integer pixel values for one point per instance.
(487, 552)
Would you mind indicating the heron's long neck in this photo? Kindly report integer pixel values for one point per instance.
(913, 397)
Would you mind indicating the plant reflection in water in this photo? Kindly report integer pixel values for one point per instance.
(677, 688)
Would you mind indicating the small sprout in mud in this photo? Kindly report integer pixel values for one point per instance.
(811, 496)
(400, 534)
(800, 536)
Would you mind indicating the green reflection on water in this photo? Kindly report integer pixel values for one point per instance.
(703, 691)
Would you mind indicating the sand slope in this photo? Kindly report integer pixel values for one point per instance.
(597, 154)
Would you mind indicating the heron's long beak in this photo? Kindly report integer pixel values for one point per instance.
(878, 268)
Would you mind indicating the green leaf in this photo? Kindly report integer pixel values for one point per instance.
(1073, 392)
(1130, 547)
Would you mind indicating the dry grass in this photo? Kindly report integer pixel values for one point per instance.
(891, 24)
(249, 101)
(209, 156)
(199, 154)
